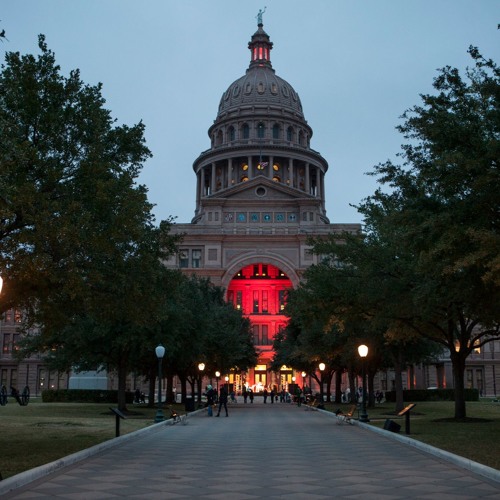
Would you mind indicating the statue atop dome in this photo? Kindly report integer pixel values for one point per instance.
(259, 16)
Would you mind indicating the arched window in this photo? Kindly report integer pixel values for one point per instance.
(232, 134)
(218, 141)
(276, 131)
(301, 138)
(245, 131)
(261, 129)
(289, 134)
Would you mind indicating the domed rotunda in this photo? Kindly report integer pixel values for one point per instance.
(260, 193)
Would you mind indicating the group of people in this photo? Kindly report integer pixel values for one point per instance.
(222, 398)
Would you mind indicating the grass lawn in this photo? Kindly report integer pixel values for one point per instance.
(477, 438)
(40, 433)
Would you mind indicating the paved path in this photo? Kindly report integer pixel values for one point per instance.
(261, 451)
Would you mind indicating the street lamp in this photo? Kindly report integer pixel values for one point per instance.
(201, 367)
(160, 352)
(217, 376)
(363, 352)
(322, 367)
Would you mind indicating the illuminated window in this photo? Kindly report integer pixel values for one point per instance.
(17, 316)
(282, 299)
(264, 301)
(6, 343)
(238, 300)
(255, 301)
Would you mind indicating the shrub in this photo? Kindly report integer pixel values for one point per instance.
(83, 396)
(414, 395)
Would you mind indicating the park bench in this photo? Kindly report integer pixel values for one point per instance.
(311, 404)
(346, 417)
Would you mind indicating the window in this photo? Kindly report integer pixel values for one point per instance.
(282, 299)
(261, 129)
(6, 343)
(245, 131)
(276, 131)
(289, 134)
(196, 258)
(232, 134)
(184, 258)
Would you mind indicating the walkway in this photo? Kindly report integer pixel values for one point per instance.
(260, 451)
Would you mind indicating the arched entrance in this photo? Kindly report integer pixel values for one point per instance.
(259, 291)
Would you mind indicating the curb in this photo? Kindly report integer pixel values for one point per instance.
(23, 478)
(462, 462)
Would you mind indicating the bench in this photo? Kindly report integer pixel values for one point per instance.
(312, 405)
(346, 417)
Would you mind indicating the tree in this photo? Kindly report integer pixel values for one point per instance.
(444, 202)
(78, 243)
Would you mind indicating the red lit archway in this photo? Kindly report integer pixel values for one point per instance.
(259, 291)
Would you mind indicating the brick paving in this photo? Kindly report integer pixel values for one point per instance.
(261, 451)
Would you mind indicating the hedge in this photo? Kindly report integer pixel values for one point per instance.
(414, 395)
(83, 396)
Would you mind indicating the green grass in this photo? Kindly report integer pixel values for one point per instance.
(40, 433)
(477, 438)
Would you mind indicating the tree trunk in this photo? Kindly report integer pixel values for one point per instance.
(169, 396)
(458, 363)
(371, 392)
(352, 386)
(122, 384)
(398, 366)
(338, 386)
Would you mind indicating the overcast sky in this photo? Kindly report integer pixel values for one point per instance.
(356, 65)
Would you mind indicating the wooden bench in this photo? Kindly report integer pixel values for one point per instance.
(312, 405)
(346, 417)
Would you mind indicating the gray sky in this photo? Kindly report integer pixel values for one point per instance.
(356, 65)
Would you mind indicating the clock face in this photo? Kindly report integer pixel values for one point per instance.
(242, 217)
(228, 217)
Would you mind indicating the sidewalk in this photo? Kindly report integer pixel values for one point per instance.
(262, 451)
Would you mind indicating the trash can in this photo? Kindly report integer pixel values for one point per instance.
(391, 426)
(189, 403)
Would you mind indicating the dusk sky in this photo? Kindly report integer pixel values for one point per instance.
(356, 65)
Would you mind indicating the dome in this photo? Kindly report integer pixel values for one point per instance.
(260, 86)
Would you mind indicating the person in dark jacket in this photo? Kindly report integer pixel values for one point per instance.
(222, 400)
(210, 394)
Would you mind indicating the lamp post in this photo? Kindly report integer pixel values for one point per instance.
(363, 352)
(217, 376)
(201, 367)
(321, 369)
(160, 352)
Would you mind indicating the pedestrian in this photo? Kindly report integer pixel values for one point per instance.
(265, 396)
(223, 400)
(245, 394)
(272, 395)
(250, 395)
(210, 394)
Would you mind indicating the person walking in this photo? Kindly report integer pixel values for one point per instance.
(210, 394)
(222, 400)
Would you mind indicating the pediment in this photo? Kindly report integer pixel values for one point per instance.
(260, 189)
